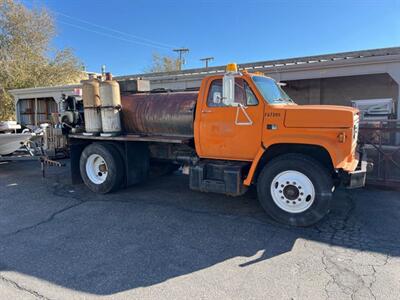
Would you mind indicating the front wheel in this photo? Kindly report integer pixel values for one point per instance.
(295, 189)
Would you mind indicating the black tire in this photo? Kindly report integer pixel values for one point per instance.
(320, 178)
(114, 163)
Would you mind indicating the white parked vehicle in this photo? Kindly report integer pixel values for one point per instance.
(10, 140)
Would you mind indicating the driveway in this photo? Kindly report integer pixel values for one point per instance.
(162, 241)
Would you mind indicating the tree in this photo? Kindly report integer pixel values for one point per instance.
(26, 57)
(162, 63)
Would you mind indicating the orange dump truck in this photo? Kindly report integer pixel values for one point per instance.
(237, 131)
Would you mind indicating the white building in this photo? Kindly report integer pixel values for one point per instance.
(34, 106)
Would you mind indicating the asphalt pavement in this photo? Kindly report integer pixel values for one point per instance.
(161, 240)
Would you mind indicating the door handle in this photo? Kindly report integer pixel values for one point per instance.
(206, 111)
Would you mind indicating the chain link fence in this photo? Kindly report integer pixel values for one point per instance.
(382, 143)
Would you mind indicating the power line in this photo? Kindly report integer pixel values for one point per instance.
(181, 52)
(164, 45)
(206, 60)
(110, 35)
(141, 40)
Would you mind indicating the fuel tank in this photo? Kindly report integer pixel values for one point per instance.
(111, 102)
(91, 103)
(159, 113)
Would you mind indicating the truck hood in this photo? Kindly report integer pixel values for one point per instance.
(319, 116)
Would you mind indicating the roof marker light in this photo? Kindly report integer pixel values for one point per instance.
(232, 67)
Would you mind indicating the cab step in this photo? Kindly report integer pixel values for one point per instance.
(219, 177)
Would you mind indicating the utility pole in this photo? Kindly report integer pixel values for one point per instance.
(181, 52)
(206, 60)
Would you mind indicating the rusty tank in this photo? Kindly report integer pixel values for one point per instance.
(170, 114)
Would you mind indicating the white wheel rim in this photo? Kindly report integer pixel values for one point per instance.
(292, 191)
(96, 169)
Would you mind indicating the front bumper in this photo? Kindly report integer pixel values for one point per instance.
(357, 178)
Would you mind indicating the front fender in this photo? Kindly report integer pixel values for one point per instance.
(336, 151)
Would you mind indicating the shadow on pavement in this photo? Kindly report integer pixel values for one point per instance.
(141, 236)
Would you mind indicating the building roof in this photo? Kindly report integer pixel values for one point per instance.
(317, 66)
(281, 64)
(45, 90)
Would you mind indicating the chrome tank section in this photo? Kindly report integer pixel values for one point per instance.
(159, 113)
(110, 108)
(91, 104)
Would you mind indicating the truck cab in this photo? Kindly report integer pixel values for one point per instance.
(262, 116)
(245, 131)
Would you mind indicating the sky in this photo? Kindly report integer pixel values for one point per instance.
(124, 34)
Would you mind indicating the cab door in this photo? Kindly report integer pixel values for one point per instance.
(230, 132)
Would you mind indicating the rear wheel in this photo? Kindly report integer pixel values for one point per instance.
(101, 168)
(295, 189)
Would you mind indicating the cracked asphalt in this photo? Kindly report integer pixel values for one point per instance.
(162, 241)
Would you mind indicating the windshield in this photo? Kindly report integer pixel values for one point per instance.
(271, 92)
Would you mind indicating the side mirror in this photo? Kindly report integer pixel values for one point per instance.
(228, 89)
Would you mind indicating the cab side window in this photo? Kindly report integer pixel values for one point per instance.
(243, 94)
(240, 96)
(214, 98)
(251, 99)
